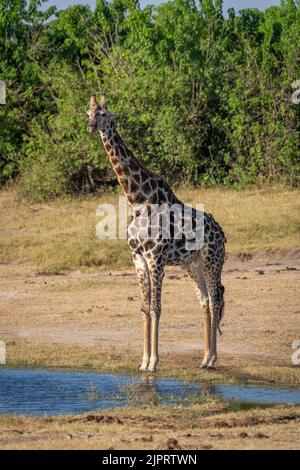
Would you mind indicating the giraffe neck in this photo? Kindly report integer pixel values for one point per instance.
(139, 184)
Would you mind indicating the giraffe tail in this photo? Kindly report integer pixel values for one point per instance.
(221, 314)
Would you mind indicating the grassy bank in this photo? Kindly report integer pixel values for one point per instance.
(205, 426)
(60, 235)
(230, 369)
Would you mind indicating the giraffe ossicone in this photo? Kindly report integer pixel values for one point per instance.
(200, 251)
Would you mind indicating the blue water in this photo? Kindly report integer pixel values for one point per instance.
(46, 392)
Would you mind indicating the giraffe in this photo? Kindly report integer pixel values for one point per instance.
(204, 263)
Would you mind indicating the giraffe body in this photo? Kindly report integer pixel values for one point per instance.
(147, 192)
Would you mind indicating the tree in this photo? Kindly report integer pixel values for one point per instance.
(21, 29)
(201, 98)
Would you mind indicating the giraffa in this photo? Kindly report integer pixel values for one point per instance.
(143, 190)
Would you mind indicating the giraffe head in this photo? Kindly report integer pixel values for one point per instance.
(98, 115)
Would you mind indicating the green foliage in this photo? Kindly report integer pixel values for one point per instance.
(59, 158)
(202, 98)
(21, 26)
(261, 122)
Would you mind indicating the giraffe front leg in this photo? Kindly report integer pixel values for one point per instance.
(156, 273)
(145, 287)
(154, 341)
(147, 333)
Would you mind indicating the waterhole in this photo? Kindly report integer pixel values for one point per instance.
(47, 392)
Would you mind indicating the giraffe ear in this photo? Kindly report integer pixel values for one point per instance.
(102, 101)
(92, 101)
(111, 115)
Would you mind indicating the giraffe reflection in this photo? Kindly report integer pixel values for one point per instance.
(148, 391)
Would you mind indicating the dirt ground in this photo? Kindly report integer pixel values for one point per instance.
(262, 313)
(91, 321)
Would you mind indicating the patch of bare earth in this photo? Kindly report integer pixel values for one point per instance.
(262, 316)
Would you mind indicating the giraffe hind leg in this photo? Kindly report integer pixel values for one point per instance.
(222, 308)
(195, 272)
(216, 300)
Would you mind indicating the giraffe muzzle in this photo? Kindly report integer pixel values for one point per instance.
(91, 128)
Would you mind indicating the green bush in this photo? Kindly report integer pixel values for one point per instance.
(60, 157)
(201, 98)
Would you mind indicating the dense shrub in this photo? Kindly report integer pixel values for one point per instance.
(202, 98)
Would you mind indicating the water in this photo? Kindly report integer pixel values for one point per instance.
(46, 392)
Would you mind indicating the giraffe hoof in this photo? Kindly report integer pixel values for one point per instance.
(211, 364)
(144, 368)
(203, 365)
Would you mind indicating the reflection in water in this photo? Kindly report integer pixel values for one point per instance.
(39, 392)
(143, 391)
(147, 391)
(208, 389)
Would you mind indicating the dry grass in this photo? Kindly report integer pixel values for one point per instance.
(230, 369)
(254, 219)
(205, 426)
(60, 235)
